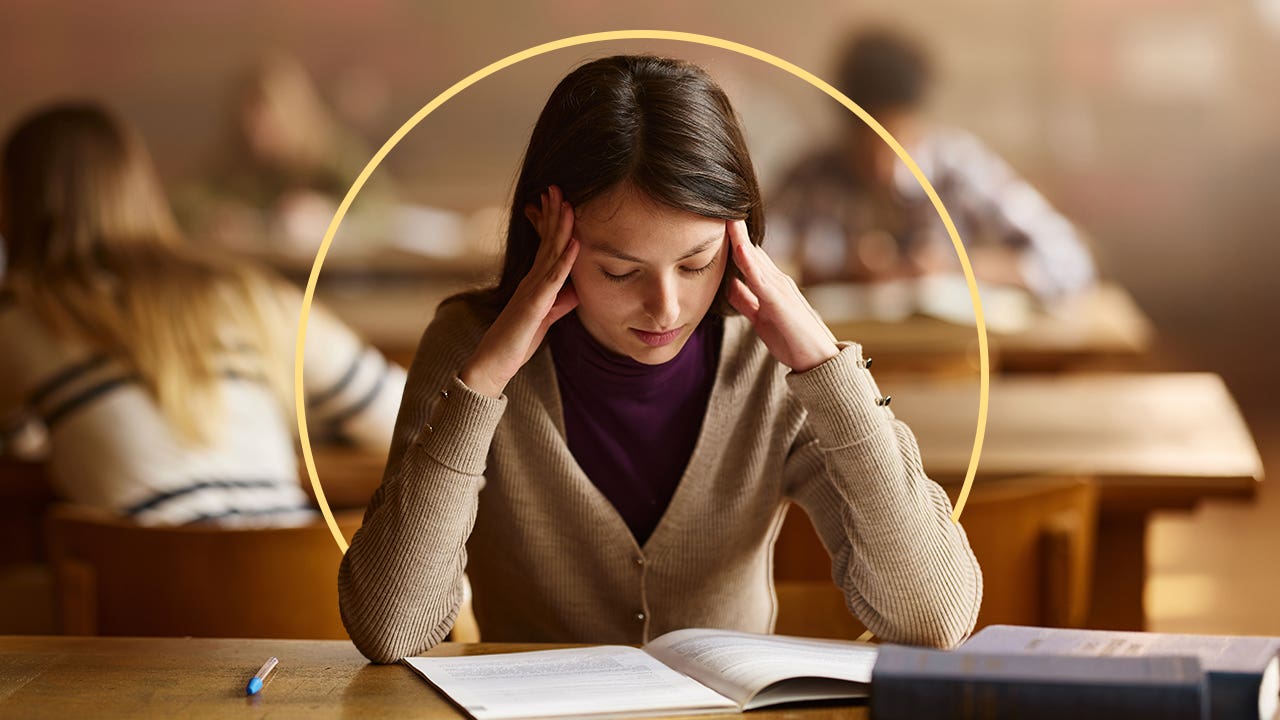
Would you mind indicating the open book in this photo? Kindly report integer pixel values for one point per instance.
(683, 672)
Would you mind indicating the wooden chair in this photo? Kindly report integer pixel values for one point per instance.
(1034, 539)
(114, 577)
(465, 628)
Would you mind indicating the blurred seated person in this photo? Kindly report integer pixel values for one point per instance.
(854, 212)
(161, 374)
(288, 164)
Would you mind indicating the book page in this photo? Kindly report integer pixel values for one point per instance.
(581, 682)
(740, 665)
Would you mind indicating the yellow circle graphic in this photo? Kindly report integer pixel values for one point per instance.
(442, 98)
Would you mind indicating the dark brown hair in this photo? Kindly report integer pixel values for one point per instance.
(662, 125)
(882, 69)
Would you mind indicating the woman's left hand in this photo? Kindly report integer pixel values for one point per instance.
(770, 299)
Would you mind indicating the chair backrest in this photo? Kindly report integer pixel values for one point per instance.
(1034, 539)
(114, 577)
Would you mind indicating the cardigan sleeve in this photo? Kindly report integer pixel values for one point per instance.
(906, 569)
(400, 582)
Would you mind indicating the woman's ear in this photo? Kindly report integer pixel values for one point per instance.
(534, 213)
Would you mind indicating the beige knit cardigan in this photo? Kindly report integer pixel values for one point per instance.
(488, 486)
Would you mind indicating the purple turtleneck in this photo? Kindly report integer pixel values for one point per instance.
(632, 427)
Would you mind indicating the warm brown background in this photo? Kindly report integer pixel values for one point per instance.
(1155, 124)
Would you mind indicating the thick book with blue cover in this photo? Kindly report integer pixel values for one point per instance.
(1243, 671)
(910, 682)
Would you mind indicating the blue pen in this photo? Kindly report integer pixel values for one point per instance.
(255, 682)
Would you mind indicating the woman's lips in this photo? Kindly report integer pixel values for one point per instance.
(654, 339)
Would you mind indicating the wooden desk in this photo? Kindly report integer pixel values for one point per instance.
(60, 677)
(381, 262)
(348, 475)
(24, 495)
(1154, 439)
(1154, 442)
(1100, 329)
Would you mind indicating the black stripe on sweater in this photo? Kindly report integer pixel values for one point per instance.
(250, 513)
(94, 392)
(359, 406)
(164, 497)
(333, 391)
(66, 375)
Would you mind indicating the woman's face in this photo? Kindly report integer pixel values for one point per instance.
(646, 273)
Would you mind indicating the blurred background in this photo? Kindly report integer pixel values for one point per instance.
(1154, 125)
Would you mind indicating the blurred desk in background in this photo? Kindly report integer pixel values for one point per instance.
(384, 262)
(1153, 441)
(1103, 328)
(201, 677)
(347, 475)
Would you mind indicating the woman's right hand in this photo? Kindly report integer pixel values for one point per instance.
(542, 298)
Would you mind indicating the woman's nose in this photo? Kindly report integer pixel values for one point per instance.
(662, 303)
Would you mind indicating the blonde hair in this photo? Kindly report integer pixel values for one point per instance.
(95, 252)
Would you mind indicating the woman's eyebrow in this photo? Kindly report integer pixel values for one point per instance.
(701, 247)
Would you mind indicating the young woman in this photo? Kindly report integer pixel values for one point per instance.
(162, 373)
(606, 441)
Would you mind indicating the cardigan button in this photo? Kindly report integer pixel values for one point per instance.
(639, 617)
(866, 364)
(444, 393)
(640, 560)
(884, 401)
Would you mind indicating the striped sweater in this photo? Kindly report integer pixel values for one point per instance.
(489, 486)
(110, 447)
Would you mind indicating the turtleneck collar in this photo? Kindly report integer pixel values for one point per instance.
(580, 356)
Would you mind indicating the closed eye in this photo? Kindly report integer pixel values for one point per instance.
(618, 278)
(700, 270)
(688, 271)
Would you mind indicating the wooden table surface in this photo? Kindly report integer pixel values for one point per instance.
(1101, 328)
(65, 677)
(1166, 437)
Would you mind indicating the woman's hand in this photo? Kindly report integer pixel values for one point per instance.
(770, 299)
(542, 298)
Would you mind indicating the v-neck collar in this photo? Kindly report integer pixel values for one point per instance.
(724, 391)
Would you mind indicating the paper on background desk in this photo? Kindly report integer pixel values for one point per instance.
(945, 297)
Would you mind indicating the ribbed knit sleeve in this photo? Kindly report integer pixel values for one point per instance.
(400, 582)
(906, 569)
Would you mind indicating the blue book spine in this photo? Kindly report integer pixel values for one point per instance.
(910, 683)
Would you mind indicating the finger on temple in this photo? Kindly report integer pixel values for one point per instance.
(742, 256)
(743, 300)
(565, 218)
(567, 257)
